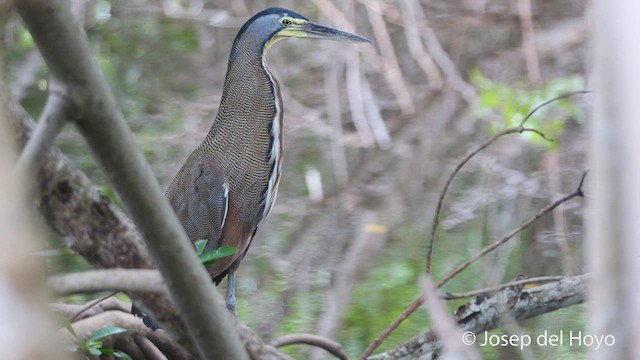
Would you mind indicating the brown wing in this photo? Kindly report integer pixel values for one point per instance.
(199, 196)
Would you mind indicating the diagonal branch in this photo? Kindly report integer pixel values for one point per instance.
(494, 245)
(49, 125)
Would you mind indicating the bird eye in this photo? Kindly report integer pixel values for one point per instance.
(286, 22)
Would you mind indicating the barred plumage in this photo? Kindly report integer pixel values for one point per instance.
(229, 183)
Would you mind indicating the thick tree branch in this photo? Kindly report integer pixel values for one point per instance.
(66, 51)
(468, 294)
(486, 313)
(108, 280)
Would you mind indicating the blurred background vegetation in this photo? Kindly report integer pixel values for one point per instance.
(371, 133)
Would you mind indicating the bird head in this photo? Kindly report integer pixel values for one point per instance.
(274, 24)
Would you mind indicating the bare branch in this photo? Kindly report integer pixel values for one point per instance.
(559, 97)
(492, 289)
(334, 348)
(49, 125)
(109, 304)
(109, 279)
(91, 304)
(484, 314)
(444, 325)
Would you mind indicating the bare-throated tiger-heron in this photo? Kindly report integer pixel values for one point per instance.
(229, 183)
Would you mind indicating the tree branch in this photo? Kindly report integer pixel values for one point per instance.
(450, 296)
(108, 280)
(333, 347)
(48, 127)
(483, 314)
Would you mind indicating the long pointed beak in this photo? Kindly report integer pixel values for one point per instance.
(317, 31)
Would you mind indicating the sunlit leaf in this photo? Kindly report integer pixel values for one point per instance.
(210, 257)
(200, 245)
(106, 331)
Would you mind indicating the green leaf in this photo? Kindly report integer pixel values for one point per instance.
(88, 344)
(200, 245)
(94, 351)
(118, 354)
(210, 257)
(122, 355)
(67, 325)
(110, 194)
(106, 331)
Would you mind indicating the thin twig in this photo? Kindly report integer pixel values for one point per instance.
(559, 97)
(389, 329)
(577, 193)
(488, 290)
(333, 347)
(92, 304)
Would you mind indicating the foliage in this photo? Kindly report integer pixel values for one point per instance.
(513, 104)
(209, 258)
(93, 345)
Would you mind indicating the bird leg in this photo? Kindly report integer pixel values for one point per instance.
(230, 296)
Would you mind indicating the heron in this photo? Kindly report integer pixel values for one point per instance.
(229, 183)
